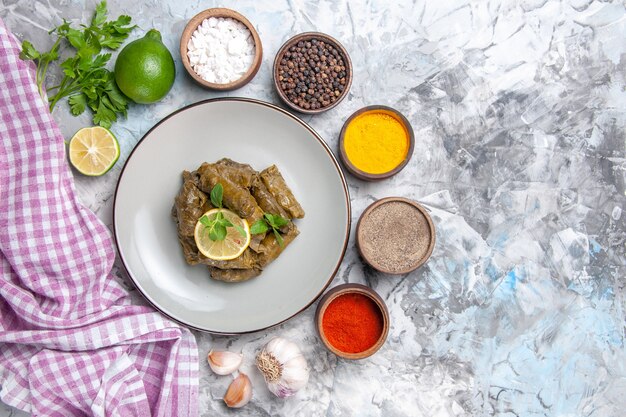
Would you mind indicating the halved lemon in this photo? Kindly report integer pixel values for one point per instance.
(222, 250)
(94, 150)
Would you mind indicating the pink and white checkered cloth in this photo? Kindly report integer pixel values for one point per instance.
(71, 344)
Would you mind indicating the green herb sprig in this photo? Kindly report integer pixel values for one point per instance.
(218, 224)
(86, 81)
(270, 221)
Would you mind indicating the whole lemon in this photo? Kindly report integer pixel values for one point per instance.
(144, 69)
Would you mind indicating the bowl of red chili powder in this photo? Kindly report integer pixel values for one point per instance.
(352, 321)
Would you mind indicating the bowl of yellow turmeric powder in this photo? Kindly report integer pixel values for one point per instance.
(376, 142)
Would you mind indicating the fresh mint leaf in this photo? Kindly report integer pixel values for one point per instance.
(77, 103)
(217, 232)
(279, 238)
(212, 233)
(214, 228)
(28, 52)
(205, 221)
(216, 195)
(260, 226)
(225, 222)
(221, 232)
(218, 226)
(270, 221)
(275, 220)
(280, 221)
(240, 229)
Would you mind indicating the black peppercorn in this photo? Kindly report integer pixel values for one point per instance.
(312, 74)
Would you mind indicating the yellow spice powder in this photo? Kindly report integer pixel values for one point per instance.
(376, 142)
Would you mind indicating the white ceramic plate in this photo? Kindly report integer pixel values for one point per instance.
(247, 131)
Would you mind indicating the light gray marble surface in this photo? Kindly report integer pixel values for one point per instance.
(519, 111)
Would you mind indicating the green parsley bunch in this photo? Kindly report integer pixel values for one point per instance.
(86, 81)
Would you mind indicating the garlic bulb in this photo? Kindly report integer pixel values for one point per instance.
(283, 366)
(239, 392)
(224, 362)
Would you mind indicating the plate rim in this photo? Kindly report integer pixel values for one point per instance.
(291, 116)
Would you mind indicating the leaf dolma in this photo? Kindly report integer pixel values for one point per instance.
(270, 248)
(276, 185)
(233, 275)
(235, 197)
(190, 205)
(241, 174)
(266, 200)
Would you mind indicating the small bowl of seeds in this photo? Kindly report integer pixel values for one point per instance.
(220, 49)
(395, 235)
(312, 72)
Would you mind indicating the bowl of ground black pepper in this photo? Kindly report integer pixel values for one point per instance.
(395, 235)
(352, 321)
(312, 72)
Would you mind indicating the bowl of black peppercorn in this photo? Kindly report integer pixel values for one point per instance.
(312, 72)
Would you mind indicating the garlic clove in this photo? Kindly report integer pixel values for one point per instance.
(223, 362)
(239, 392)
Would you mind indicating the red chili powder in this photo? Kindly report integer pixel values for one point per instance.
(352, 323)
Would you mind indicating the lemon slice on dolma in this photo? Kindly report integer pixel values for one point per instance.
(232, 246)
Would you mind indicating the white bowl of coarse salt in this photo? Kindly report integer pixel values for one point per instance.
(220, 49)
